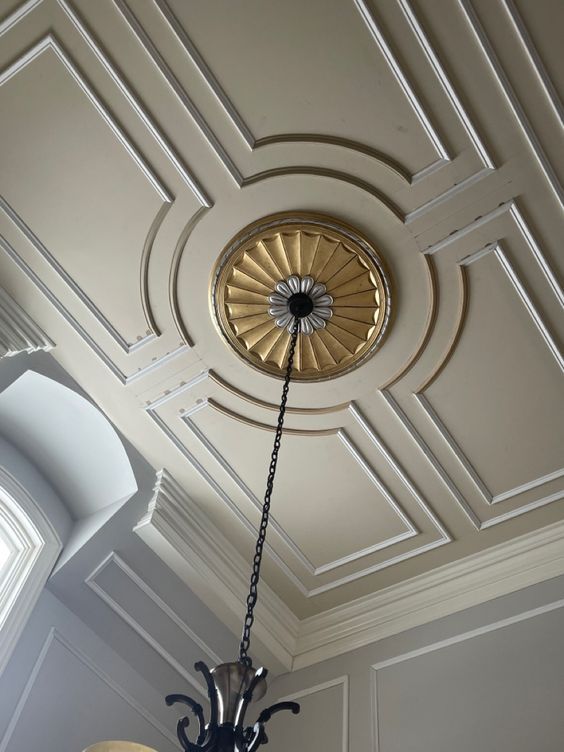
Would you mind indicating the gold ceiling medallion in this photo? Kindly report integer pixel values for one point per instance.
(281, 255)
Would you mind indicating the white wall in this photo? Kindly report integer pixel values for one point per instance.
(490, 679)
(64, 689)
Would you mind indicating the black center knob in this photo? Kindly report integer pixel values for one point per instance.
(300, 304)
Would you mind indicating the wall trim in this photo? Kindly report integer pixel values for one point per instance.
(168, 612)
(432, 647)
(478, 578)
(38, 548)
(182, 535)
(55, 636)
(342, 681)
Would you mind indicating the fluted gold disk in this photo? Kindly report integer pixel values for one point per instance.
(303, 244)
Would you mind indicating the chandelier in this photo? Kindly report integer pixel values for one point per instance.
(232, 687)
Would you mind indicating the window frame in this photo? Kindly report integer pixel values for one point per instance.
(34, 551)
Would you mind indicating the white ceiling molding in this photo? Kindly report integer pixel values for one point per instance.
(207, 562)
(404, 122)
(475, 579)
(18, 332)
(512, 99)
(183, 536)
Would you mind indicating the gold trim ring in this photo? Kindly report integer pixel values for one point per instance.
(301, 248)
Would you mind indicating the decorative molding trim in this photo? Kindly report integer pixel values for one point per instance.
(319, 139)
(398, 471)
(534, 58)
(414, 434)
(18, 332)
(441, 428)
(127, 94)
(173, 274)
(447, 195)
(511, 208)
(206, 73)
(183, 537)
(55, 636)
(216, 487)
(24, 267)
(177, 88)
(246, 397)
(18, 15)
(36, 546)
(412, 531)
(445, 590)
(48, 257)
(325, 172)
(394, 66)
(340, 681)
(462, 637)
(117, 608)
(214, 405)
(511, 97)
(50, 43)
(429, 327)
(448, 88)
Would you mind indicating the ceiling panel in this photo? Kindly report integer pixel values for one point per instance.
(138, 138)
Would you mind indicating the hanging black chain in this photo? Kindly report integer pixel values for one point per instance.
(255, 576)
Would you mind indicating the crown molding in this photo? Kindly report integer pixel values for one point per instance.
(478, 578)
(186, 539)
(18, 332)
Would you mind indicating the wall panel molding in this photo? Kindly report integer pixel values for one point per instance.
(54, 636)
(167, 611)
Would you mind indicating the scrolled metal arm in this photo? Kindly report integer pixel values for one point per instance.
(184, 722)
(256, 735)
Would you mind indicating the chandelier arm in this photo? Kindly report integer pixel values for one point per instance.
(212, 694)
(255, 575)
(184, 722)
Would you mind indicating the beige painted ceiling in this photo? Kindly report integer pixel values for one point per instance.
(138, 136)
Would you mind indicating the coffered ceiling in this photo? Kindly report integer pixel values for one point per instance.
(139, 136)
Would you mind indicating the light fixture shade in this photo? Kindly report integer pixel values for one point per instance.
(119, 747)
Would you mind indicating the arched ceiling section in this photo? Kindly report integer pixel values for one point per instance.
(70, 442)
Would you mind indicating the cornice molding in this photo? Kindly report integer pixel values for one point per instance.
(476, 579)
(186, 539)
(18, 332)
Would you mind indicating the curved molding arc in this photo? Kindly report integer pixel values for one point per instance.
(173, 274)
(324, 172)
(271, 406)
(321, 139)
(36, 548)
(428, 329)
(261, 426)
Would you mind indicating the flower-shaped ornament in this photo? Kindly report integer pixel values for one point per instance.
(320, 303)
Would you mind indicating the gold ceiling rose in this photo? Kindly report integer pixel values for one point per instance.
(289, 253)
